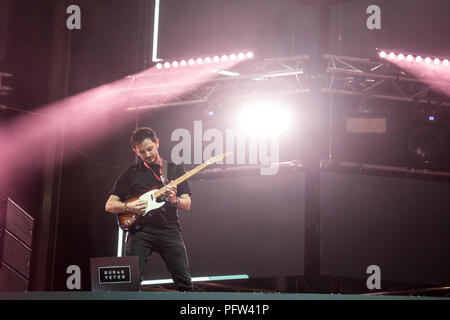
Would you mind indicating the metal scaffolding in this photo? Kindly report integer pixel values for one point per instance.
(287, 75)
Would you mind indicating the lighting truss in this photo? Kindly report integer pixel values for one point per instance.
(249, 78)
(378, 79)
(286, 75)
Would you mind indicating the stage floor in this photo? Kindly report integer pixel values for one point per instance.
(200, 296)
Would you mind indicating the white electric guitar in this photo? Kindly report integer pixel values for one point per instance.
(153, 197)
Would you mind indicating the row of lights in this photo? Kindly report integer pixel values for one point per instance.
(207, 60)
(411, 58)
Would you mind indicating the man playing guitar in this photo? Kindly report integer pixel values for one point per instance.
(159, 231)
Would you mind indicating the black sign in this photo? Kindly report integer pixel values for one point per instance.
(114, 274)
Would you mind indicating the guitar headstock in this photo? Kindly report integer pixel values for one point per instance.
(218, 158)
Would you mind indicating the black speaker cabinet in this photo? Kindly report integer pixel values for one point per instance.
(16, 221)
(11, 280)
(16, 234)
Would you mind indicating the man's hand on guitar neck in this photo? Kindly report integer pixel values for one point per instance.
(170, 191)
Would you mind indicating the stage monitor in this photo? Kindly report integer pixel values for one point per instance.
(115, 274)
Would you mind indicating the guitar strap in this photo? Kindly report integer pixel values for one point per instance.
(164, 178)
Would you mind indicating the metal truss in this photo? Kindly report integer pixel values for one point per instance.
(287, 75)
(252, 78)
(378, 79)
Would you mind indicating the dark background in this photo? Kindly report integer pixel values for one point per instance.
(252, 224)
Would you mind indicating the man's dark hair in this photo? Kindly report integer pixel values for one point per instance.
(140, 134)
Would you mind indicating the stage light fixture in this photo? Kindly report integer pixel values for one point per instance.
(206, 60)
(382, 53)
(263, 119)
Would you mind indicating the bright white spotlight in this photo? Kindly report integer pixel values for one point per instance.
(191, 62)
(216, 59)
(208, 60)
(183, 63)
(159, 66)
(391, 55)
(383, 54)
(241, 56)
(410, 58)
(428, 60)
(264, 119)
(445, 62)
(233, 56)
(175, 64)
(167, 65)
(224, 57)
(199, 61)
(436, 61)
(401, 56)
(250, 55)
(419, 59)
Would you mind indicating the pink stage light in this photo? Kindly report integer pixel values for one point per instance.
(431, 69)
(75, 116)
(207, 60)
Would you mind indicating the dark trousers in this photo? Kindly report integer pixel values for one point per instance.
(170, 246)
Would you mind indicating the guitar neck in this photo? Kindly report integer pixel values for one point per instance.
(186, 176)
